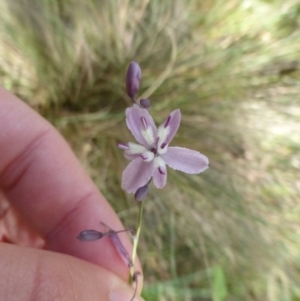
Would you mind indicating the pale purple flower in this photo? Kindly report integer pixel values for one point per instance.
(150, 157)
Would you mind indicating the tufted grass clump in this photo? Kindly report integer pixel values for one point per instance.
(232, 67)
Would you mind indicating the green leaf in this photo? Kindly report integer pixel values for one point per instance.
(218, 284)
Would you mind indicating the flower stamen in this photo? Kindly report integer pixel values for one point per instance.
(161, 171)
(168, 121)
(123, 146)
(154, 150)
(144, 123)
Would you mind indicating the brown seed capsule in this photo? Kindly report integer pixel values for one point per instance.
(133, 78)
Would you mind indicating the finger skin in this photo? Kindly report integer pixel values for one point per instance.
(44, 182)
(37, 275)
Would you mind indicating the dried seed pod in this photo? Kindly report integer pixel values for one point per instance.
(136, 277)
(114, 238)
(89, 235)
(120, 248)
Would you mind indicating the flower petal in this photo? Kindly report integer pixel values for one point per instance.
(185, 159)
(159, 179)
(136, 174)
(134, 122)
(131, 157)
(169, 128)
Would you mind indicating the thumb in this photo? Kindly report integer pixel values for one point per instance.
(32, 274)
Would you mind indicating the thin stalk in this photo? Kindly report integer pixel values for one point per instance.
(135, 243)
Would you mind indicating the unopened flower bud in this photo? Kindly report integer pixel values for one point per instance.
(141, 193)
(133, 78)
(145, 103)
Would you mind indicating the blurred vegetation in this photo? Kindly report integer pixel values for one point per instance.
(232, 67)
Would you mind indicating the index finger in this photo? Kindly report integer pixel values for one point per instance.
(42, 179)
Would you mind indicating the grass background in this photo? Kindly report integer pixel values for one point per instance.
(232, 67)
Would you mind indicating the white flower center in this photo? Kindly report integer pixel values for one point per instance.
(162, 150)
(135, 149)
(147, 156)
(160, 164)
(162, 134)
(148, 135)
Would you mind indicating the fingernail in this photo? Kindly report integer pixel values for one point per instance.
(123, 295)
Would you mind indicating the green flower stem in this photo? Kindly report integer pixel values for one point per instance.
(135, 242)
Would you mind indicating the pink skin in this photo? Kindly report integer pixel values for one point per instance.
(49, 190)
(141, 169)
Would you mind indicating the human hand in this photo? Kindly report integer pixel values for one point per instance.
(50, 201)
